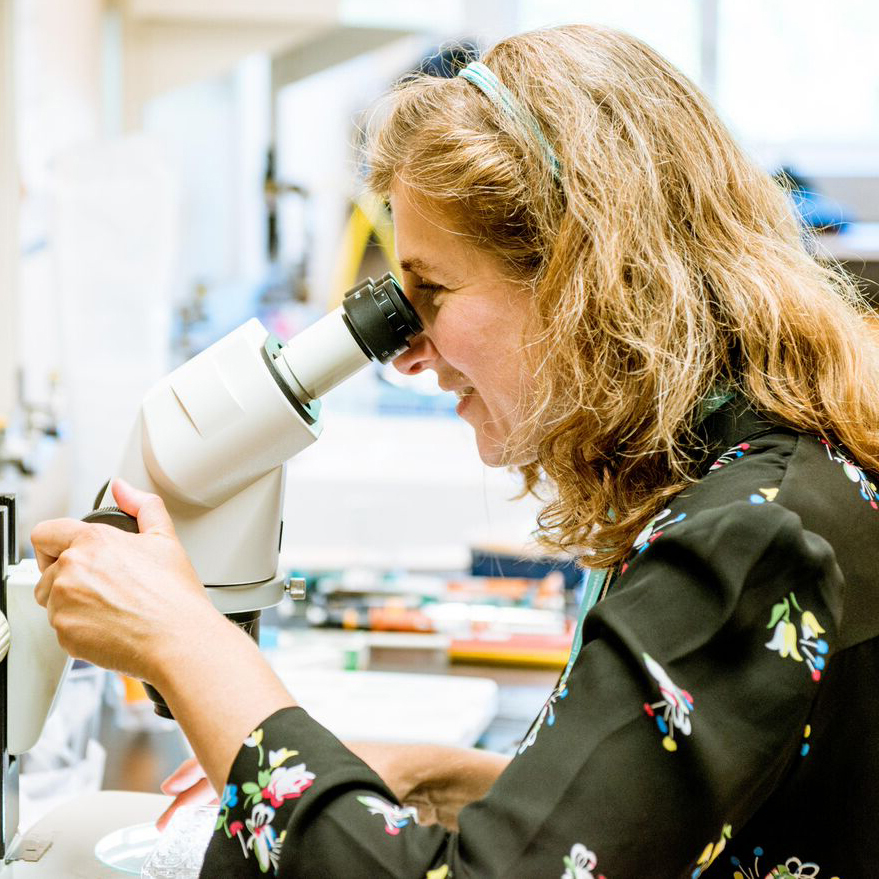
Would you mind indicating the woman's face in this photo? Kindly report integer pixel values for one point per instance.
(474, 322)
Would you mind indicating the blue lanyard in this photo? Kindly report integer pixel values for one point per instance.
(595, 578)
(592, 586)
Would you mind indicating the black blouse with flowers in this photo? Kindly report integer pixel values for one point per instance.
(722, 716)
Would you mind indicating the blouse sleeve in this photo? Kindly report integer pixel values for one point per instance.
(683, 711)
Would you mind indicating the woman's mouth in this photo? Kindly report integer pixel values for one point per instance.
(463, 396)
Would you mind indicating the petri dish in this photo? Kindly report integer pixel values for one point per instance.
(175, 853)
(127, 849)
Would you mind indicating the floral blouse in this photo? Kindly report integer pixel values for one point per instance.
(721, 717)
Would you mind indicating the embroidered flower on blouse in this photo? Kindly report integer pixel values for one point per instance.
(652, 531)
(547, 713)
(730, 455)
(396, 817)
(287, 783)
(805, 747)
(276, 758)
(254, 740)
(274, 784)
(787, 642)
(712, 850)
(262, 836)
(792, 868)
(764, 496)
(675, 705)
(854, 473)
(580, 863)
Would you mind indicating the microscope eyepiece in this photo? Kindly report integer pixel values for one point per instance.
(374, 322)
(380, 317)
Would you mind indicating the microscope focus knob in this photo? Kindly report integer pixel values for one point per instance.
(4, 636)
(112, 516)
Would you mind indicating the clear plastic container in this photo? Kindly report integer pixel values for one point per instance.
(180, 850)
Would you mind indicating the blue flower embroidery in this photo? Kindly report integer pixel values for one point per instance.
(854, 473)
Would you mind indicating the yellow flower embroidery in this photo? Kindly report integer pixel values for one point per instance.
(712, 850)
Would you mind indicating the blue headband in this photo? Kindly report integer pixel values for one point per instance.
(478, 74)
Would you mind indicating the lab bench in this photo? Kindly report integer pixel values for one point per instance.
(426, 699)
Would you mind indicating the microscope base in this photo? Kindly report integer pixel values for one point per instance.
(74, 829)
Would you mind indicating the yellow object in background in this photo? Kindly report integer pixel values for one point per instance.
(134, 691)
(369, 217)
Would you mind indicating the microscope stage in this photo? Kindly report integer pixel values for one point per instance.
(74, 829)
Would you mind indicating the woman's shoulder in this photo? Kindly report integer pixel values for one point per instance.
(813, 477)
(773, 501)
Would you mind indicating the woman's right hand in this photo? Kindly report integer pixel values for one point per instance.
(189, 786)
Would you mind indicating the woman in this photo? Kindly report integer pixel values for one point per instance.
(625, 307)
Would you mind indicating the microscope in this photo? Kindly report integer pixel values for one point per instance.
(212, 439)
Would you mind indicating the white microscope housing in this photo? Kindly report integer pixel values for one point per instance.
(212, 439)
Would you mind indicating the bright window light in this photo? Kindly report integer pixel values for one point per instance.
(800, 70)
(669, 26)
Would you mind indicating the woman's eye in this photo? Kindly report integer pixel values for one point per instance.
(429, 289)
(427, 299)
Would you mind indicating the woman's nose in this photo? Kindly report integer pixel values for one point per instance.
(420, 355)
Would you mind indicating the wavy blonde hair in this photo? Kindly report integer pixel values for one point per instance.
(663, 264)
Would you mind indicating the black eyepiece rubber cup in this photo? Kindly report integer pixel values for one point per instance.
(380, 317)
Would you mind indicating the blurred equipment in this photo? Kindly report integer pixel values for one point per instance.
(370, 219)
(213, 437)
(816, 211)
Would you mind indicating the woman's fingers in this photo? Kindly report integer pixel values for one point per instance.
(43, 589)
(189, 783)
(112, 597)
(184, 776)
(200, 794)
(148, 509)
(51, 538)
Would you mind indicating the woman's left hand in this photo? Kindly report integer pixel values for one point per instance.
(115, 598)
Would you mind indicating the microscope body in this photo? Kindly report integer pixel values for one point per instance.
(212, 439)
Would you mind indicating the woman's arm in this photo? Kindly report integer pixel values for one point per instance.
(438, 780)
(107, 593)
(219, 687)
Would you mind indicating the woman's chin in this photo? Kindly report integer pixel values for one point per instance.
(494, 452)
(491, 449)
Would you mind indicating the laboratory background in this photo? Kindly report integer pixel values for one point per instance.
(169, 170)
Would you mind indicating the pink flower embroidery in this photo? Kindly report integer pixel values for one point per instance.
(287, 783)
(675, 706)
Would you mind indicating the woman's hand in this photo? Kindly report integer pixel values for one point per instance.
(438, 780)
(115, 598)
(190, 786)
(133, 602)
